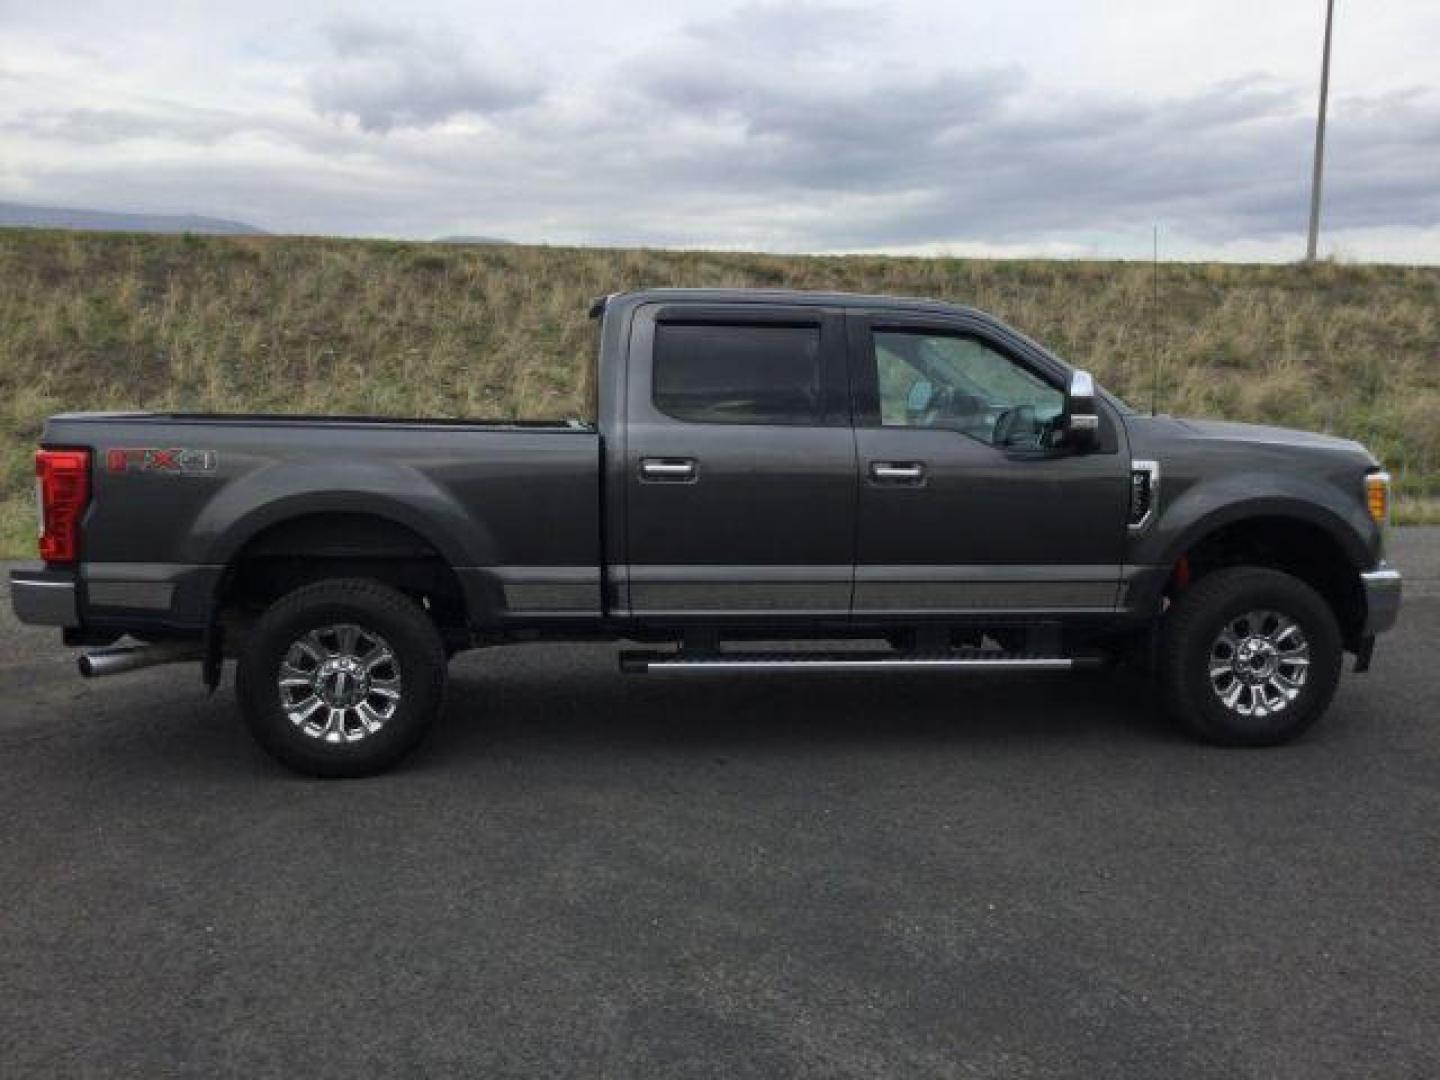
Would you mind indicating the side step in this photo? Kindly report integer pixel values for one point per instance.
(640, 663)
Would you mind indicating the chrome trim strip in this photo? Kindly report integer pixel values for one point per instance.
(938, 663)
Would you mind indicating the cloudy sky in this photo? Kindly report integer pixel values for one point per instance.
(1063, 127)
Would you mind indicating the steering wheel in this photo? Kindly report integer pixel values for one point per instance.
(1016, 426)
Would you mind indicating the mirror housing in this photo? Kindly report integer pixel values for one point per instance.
(1081, 418)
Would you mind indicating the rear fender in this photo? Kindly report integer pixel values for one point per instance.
(403, 495)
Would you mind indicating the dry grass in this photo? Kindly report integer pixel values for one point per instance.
(99, 321)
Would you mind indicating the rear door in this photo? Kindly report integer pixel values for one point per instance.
(964, 504)
(740, 463)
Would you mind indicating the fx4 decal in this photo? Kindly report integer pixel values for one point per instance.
(151, 459)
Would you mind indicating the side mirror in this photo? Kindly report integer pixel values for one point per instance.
(1082, 421)
(922, 393)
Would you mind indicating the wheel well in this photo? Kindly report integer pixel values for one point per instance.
(1307, 551)
(310, 548)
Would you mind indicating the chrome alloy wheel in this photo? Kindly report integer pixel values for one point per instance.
(1258, 663)
(340, 683)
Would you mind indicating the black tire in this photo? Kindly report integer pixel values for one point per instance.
(417, 675)
(1192, 628)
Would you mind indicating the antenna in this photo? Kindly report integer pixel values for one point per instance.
(1155, 320)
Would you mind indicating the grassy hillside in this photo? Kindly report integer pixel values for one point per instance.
(94, 321)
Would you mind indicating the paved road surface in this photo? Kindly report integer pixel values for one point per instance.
(589, 875)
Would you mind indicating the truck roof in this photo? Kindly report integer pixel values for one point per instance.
(785, 296)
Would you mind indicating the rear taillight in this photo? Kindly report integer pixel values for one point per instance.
(62, 483)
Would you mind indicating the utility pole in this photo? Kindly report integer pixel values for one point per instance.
(1320, 138)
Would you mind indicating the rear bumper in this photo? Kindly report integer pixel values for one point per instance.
(1382, 599)
(45, 597)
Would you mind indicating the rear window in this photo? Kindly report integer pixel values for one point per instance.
(738, 374)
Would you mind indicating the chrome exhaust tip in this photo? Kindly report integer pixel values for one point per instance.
(120, 658)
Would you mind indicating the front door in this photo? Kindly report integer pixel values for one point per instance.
(965, 506)
(740, 463)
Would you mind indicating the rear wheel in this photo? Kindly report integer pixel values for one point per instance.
(1250, 657)
(342, 677)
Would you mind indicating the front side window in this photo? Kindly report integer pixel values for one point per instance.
(959, 383)
(731, 373)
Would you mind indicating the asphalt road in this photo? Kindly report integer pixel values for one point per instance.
(592, 875)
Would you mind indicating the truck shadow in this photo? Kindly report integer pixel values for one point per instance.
(528, 699)
(557, 702)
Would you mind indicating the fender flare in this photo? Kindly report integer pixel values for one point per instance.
(1271, 507)
(395, 493)
(1206, 507)
(297, 507)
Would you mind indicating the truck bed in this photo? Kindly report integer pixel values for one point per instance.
(513, 507)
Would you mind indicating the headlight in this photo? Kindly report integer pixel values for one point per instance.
(1377, 497)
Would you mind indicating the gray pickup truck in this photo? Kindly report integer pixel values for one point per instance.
(884, 484)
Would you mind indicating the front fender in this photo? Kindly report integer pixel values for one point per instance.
(1211, 504)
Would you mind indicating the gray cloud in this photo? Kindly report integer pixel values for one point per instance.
(765, 128)
(388, 77)
(100, 126)
(979, 154)
(772, 31)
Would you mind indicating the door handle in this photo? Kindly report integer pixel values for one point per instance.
(671, 470)
(898, 472)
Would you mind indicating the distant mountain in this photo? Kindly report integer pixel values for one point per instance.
(470, 240)
(21, 216)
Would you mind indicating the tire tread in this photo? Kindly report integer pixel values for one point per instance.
(423, 668)
(1186, 638)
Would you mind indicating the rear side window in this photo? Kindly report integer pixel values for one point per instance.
(734, 373)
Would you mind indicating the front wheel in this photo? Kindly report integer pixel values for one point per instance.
(1249, 657)
(342, 677)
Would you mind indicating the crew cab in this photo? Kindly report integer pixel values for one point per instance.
(902, 485)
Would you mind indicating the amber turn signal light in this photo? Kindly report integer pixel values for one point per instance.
(1377, 496)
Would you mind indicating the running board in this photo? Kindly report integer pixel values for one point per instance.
(638, 663)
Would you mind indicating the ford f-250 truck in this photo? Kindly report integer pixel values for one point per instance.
(899, 484)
